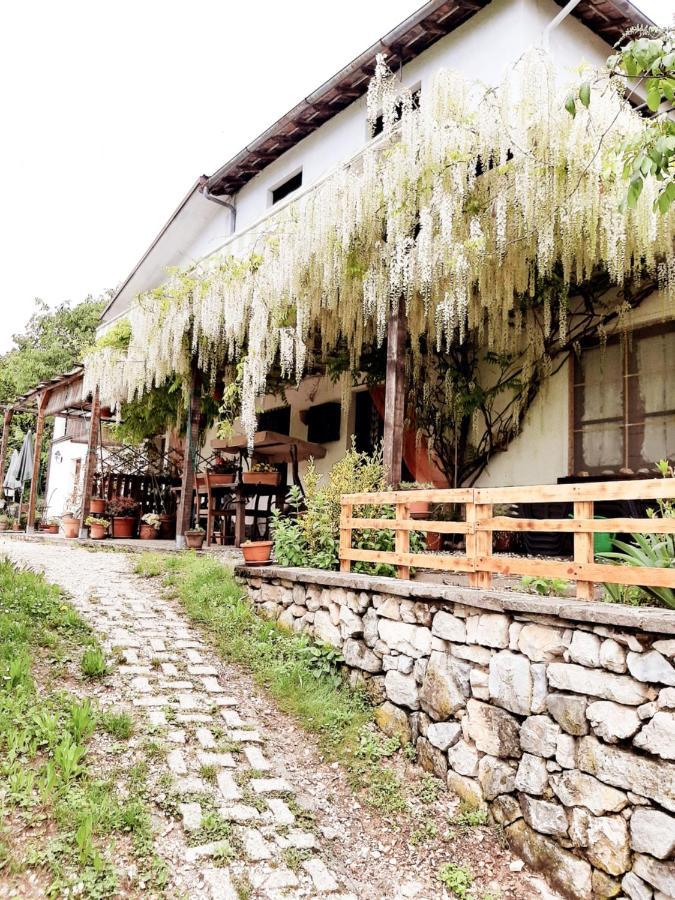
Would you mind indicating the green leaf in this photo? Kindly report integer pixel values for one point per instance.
(653, 94)
(585, 94)
(570, 105)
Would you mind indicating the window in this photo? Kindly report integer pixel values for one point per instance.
(286, 187)
(368, 425)
(379, 121)
(323, 423)
(278, 420)
(624, 402)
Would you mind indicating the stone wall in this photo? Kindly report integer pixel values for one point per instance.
(561, 723)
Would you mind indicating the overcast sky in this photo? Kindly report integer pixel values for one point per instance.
(111, 110)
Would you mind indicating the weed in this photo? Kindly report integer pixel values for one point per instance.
(294, 858)
(82, 720)
(372, 747)
(426, 832)
(428, 788)
(243, 887)
(156, 662)
(456, 879)
(209, 773)
(118, 724)
(469, 816)
(385, 791)
(93, 663)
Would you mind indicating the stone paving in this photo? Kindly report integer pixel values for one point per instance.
(215, 758)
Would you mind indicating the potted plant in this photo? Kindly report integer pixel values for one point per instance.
(70, 522)
(222, 471)
(194, 538)
(97, 528)
(51, 526)
(150, 525)
(417, 509)
(167, 527)
(97, 506)
(257, 552)
(123, 511)
(19, 524)
(5, 522)
(262, 473)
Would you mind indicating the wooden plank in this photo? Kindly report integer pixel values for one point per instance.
(402, 540)
(345, 536)
(427, 495)
(583, 547)
(417, 525)
(474, 578)
(483, 543)
(638, 489)
(394, 395)
(443, 563)
(6, 425)
(597, 572)
(616, 526)
(90, 461)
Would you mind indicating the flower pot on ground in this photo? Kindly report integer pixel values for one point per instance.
(434, 541)
(97, 528)
(262, 473)
(97, 506)
(124, 512)
(70, 525)
(167, 527)
(194, 538)
(150, 524)
(123, 526)
(257, 551)
(417, 509)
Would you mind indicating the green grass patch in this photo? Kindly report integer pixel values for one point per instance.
(457, 879)
(61, 819)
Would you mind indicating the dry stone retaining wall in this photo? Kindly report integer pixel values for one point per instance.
(562, 725)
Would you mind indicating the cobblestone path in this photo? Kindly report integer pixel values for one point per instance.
(225, 747)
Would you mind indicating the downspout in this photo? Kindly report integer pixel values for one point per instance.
(553, 24)
(226, 203)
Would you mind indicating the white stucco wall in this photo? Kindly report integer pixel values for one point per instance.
(63, 459)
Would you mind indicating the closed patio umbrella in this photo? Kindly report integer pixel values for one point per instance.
(11, 482)
(24, 466)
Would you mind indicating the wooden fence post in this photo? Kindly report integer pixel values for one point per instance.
(394, 398)
(90, 462)
(37, 452)
(402, 539)
(346, 510)
(470, 541)
(483, 544)
(184, 517)
(584, 546)
(6, 423)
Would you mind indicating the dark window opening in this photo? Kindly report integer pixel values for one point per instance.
(379, 121)
(323, 423)
(292, 184)
(278, 420)
(368, 425)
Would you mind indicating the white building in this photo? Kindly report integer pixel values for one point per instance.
(629, 425)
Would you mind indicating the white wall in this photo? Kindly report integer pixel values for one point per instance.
(62, 473)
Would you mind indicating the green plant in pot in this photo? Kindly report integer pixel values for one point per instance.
(194, 538)
(262, 473)
(258, 552)
(124, 513)
(98, 528)
(150, 525)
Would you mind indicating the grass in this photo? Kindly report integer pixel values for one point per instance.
(61, 822)
(117, 723)
(302, 676)
(457, 879)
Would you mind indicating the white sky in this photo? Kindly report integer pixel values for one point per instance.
(109, 112)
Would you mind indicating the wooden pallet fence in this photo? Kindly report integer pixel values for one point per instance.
(479, 524)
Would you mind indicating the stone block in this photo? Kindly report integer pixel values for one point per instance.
(387, 607)
(598, 683)
(440, 695)
(493, 730)
(653, 832)
(566, 751)
(566, 872)
(448, 627)
(658, 736)
(463, 759)
(539, 735)
(510, 682)
(325, 630)
(412, 640)
(540, 643)
(605, 840)
(351, 625)
(478, 682)
(490, 630)
(660, 875)
(585, 649)
(443, 735)
(539, 687)
(604, 885)
(611, 721)
(505, 809)
(666, 699)
(532, 775)
(357, 655)
(613, 656)
(651, 667)
(467, 789)
(402, 689)
(575, 788)
(495, 777)
(473, 653)
(431, 758)
(544, 817)
(394, 722)
(635, 888)
(648, 777)
(569, 711)
(665, 647)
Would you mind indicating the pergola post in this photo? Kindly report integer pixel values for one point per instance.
(184, 517)
(394, 399)
(37, 452)
(90, 462)
(6, 424)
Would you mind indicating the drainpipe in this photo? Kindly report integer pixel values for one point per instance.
(553, 24)
(226, 203)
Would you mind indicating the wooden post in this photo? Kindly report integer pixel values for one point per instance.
(90, 462)
(584, 547)
(470, 541)
(402, 540)
(184, 517)
(346, 511)
(483, 544)
(6, 423)
(39, 431)
(394, 400)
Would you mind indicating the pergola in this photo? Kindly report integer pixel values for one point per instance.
(59, 396)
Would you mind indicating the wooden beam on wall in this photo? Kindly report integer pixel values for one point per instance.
(37, 452)
(394, 400)
(184, 517)
(90, 462)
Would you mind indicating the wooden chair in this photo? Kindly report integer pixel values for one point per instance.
(220, 510)
(201, 510)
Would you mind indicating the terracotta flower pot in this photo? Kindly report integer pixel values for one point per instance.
(52, 529)
(194, 540)
(419, 509)
(217, 478)
(148, 532)
(71, 527)
(270, 478)
(434, 540)
(16, 527)
(97, 506)
(123, 526)
(257, 551)
(97, 532)
(167, 527)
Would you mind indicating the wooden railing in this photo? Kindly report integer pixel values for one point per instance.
(479, 523)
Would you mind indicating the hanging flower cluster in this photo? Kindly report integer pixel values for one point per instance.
(465, 207)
